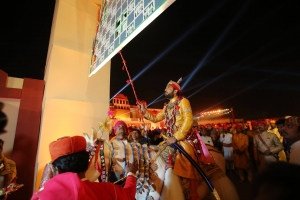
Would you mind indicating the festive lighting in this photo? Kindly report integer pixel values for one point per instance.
(216, 44)
(214, 113)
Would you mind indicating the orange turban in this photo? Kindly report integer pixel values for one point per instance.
(66, 145)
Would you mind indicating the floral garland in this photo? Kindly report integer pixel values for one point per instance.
(170, 118)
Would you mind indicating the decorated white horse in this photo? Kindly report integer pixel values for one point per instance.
(108, 162)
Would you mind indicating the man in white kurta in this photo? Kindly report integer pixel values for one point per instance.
(206, 138)
(226, 139)
(291, 132)
(267, 148)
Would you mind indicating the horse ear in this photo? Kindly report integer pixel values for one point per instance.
(94, 134)
(86, 137)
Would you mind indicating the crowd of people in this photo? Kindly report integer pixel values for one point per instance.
(232, 139)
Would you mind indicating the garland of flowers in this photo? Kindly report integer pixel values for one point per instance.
(170, 118)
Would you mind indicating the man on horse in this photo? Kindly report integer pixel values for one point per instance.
(178, 117)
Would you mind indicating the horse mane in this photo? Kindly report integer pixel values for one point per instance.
(104, 127)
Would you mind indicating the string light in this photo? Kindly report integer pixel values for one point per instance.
(215, 112)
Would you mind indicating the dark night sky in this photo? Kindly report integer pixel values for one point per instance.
(231, 54)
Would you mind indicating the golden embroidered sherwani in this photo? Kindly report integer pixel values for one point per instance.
(181, 128)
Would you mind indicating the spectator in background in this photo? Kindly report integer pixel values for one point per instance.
(216, 141)
(253, 130)
(232, 129)
(226, 139)
(291, 132)
(273, 129)
(70, 157)
(280, 124)
(206, 138)
(209, 128)
(120, 130)
(241, 155)
(8, 168)
(147, 136)
(156, 137)
(266, 146)
(214, 132)
(136, 136)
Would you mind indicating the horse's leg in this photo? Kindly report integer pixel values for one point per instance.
(172, 186)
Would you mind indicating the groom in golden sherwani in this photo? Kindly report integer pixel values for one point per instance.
(178, 117)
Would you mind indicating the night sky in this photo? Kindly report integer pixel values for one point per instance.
(235, 54)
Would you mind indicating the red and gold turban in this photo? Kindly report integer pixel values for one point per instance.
(175, 85)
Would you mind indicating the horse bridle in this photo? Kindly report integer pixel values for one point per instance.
(94, 150)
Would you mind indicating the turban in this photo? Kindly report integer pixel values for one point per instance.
(175, 85)
(66, 146)
(293, 121)
(118, 123)
(254, 123)
(239, 126)
(261, 122)
(272, 121)
(226, 126)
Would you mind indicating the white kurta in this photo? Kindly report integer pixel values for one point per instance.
(207, 140)
(227, 151)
